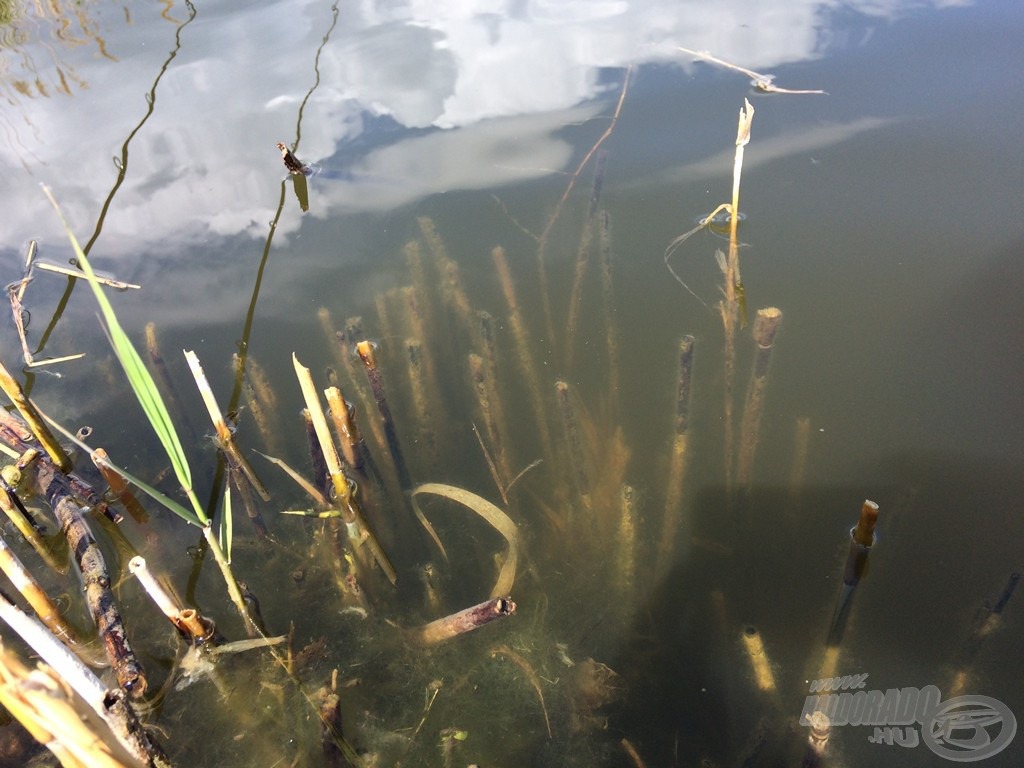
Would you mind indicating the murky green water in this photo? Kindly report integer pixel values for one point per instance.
(882, 219)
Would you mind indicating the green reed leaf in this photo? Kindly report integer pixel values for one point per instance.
(138, 376)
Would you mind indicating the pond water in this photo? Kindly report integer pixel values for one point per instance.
(882, 219)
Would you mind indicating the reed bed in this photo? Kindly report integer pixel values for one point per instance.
(454, 603)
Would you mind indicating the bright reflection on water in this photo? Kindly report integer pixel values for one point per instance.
(881, 219)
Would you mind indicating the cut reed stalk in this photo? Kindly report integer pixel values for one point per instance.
(261, 386)
(759, 662)
(348, 437)
(28, 412)
(817, 740)
(26, 584)
(573, 444)
(452, 292)
(321, 479)
(422, 411)
(634, 756)
(801, 443)
(343, 347)
(358, 529)
(27, 527)
(626, 545)
(523, 350)
(484, 389)
(30, 256)
(196, 628)
(862, 537)
(732, 308)
(225, 436)
(119, 487)
(348, 430)
(51, 713)
(679, 460)
(425, 360)
(608, 306)
(368, 354)
(363, 395)
(261, 415)
(766, 325)
(464, 621)
(421, 288)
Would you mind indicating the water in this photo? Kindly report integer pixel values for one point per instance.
(881, 219)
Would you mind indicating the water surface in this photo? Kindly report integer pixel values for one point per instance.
(881, 219)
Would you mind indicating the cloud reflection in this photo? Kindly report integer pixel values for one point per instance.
(473, 94)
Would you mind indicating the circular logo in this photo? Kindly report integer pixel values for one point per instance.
(968, 728)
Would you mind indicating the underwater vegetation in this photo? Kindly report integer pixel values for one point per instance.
(477, 562)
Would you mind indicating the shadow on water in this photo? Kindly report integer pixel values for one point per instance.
(776, 565)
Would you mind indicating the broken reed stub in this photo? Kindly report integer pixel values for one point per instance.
(864, 533)
(464, 621)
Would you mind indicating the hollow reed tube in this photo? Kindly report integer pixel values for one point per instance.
(862, 537)
(189, 622)
(167, 604)
(754, 646)
(464, 621)
(817, 740)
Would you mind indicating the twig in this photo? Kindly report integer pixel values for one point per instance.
(761, 82)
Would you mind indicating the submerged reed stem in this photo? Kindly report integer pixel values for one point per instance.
(464, 621)
(766, 325)
(672, 520)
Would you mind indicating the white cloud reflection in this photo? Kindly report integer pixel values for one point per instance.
(477, 92)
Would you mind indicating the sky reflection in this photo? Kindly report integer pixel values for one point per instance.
(475, 94)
